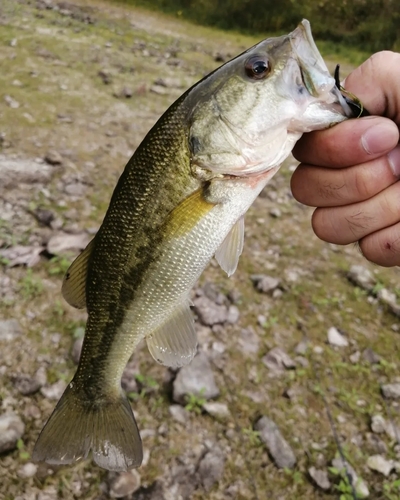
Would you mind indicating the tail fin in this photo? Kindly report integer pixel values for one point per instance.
(108, 428)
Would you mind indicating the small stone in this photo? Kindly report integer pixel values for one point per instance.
(362, 277)
(158, 89)
(179, 414)
(376, 444)
(355, 357)
(388, 298)
(196, 378)
(12, 429)
(27, 470)
(360, 486)
(320, 477)
(380, 464)
(210, 313)
(9, 329)
(211, 468)
(53, 157)
(318, 349)
(277, 360)
(276, 444)
(233, 315)
(302, 347)
(391, 391)
(335, 338)
(76, 350)
(249, 342)
(265, 284)
(54, 391)
(370, 356)
(106, 76)
(378, 424)
(26, 384)
(125, 484)
(219, 411)
(275, 212)
(11, 102)
(127, 92)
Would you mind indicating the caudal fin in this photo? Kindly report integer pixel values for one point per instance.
(107, 428)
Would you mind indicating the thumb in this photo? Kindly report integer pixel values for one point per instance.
(377, 84)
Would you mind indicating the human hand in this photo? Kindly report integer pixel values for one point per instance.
(350, 171)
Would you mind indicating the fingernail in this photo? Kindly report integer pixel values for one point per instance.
(379, 138)
(394, 161)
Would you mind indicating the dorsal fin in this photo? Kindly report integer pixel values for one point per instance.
(74, 283)
(231, 248)
(174, 343)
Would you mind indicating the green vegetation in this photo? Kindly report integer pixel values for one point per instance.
(370, 25)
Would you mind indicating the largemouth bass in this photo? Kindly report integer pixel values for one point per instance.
(180, 200)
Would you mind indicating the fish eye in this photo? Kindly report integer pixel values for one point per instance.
(257, 67)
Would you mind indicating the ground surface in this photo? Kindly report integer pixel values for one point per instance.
(80, 85)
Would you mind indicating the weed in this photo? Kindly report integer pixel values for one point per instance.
(31, 285)
(195, 402)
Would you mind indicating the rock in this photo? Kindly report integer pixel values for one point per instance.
(12, 429)
(220, 411)
(15, 172)
(370, 356)
(275, 212)
(179, 414)
(20, 255)
(391, 391)
(11, 102)
(376, 444)
(53, 157)
(277, 360)
(355, 357)
(302, 347)
(76, 350)
(211, 468)
(360, 486)
(196, 378)
(277, 446)
(320, 477)
(362, 277)
(43, 216)
(125, 484)
(233, 315)
(26, 384)
(380, 464)
(9, 329)
(127, 92)
(59, 243)
(336, 338)
(54, 391)
(210, 313)
(27, 470)
(378, 424)
(158, 89)
(265, 284)
(106, 76)
(249, 342)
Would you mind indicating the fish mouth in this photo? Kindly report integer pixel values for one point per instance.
(315, 74)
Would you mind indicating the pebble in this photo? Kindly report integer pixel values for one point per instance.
(378, 424)
(335, 338)
(27, 470)
(361, 276)
(360, 486)
(275, 213)
(277, 360)
(302, 347)
(179, 414)
(124, 484)
(11, 102)
(219, 411)
(211, 468)
(249, 341)
(265, 284)
(9, 329)
(12, 429)
(26, 384)
(370, 356)
(196, 378)
(379, 464)
(54, 391)
(320, 477)
(53, 157)
(391, 391)
(208, 312)
(276, 444)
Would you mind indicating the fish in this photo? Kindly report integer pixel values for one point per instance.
(180, 200)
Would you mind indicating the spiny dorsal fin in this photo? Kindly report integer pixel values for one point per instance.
(174, 344)
(231, 248)
(74, 283)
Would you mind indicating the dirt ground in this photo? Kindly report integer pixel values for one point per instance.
(80, 85)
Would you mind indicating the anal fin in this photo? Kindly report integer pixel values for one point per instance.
(174, 344)
(231, 248)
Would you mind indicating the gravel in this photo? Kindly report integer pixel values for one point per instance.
(12, 429)
(277, 446)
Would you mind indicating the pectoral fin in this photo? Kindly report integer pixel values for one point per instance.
(74, 283)
(229, 252)
(174, 344)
